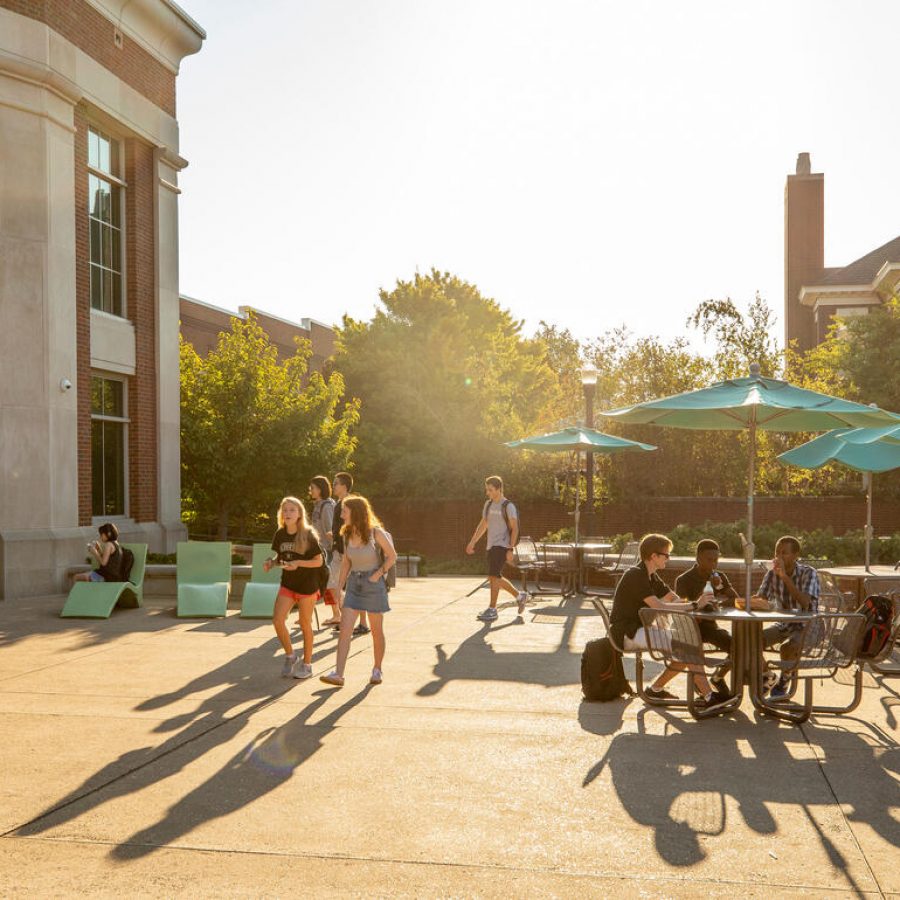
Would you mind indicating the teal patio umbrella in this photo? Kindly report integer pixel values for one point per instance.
(751, 404)
(867, 450)
(578, 440)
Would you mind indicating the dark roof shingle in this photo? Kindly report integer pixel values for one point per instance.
(864, 270)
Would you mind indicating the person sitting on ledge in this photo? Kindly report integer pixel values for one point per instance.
(641, 586)
(692, 584)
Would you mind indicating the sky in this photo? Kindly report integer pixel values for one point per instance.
(589, 164)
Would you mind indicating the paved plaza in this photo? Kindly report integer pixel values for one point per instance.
(150, 756)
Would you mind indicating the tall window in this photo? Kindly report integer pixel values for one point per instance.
(109, 423)
(105, 196)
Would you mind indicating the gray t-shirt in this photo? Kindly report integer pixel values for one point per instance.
(497, 533)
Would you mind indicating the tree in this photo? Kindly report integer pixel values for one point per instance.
(857, 361)
(740, 339)
(254, 429)
(444, 376)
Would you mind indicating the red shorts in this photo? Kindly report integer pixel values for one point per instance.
(293, 595)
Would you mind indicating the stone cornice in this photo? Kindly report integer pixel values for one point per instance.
(161, 27)
(39, 73)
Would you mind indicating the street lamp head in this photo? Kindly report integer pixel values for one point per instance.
(589, 377)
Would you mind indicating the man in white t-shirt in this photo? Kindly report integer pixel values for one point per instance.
(500, 520)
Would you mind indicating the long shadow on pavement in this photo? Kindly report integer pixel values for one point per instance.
(267, 761)
(248, 683)
(662, 779)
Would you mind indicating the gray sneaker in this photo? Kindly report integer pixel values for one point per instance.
(301, 670)
(489, 615)
(288, 666)
(521, 600)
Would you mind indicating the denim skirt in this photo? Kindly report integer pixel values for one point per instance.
(364, 595)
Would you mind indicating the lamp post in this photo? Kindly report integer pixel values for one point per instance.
(589, 384)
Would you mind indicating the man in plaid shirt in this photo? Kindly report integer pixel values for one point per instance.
(790, 585)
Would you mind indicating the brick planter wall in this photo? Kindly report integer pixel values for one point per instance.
(441, 528)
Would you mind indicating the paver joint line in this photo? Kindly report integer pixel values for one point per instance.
(846, 821)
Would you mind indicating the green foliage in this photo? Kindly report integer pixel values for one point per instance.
(846, 549)
(857, 361)
(254, 429)
(740, 339)
(445, 377)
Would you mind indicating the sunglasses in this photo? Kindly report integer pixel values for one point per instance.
(660, 553)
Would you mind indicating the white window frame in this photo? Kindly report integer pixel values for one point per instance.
(125, 421)
(118, 181)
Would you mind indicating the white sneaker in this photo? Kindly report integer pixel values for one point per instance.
(301, 670)
(489, 615)
(522, 600)
(288, 666)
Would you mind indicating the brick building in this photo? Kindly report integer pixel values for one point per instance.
(814, 293)
(202, 323)
(89, 414)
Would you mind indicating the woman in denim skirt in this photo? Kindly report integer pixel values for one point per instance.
(362, 578)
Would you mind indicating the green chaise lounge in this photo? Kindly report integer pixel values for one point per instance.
(204, 578)
(97, 599)
(262, 589)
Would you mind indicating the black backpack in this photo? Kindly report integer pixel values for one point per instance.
(506, 502)
(878, 612)
(602, 675)
(323, 575)
(126, 564)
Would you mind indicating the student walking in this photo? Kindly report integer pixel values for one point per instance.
(362, 573)
(322, 519)
(298, 553)
(343, 484)
(500, 520)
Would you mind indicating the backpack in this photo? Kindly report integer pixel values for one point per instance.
(323, 575)
(390, 577)
(602, 675)
(878, 612)
(506, 502)
(126, 564)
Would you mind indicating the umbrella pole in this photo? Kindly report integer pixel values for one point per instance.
(749, 549)
(869, 480)
(577, 492)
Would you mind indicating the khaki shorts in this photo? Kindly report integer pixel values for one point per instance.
(662, 637)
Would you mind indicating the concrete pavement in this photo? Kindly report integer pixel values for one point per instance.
(150, 756)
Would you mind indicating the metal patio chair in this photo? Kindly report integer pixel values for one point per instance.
(675, 640)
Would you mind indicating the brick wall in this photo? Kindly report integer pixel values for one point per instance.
(201, 325)
(140, 232)
(89, 30)
(83, 317)
(442, 527)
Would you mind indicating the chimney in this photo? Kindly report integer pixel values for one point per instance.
(804, 248)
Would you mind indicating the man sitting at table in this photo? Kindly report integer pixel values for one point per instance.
(640, 586)
(792, 586)
(691, 584)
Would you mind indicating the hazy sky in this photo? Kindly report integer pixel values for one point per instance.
(586, 163)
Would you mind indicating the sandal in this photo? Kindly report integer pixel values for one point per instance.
(333, 679)
(332, 622)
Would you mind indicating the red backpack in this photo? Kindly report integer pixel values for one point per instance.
(878, 612)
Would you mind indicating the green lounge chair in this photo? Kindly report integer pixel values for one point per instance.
(97, 599)
(262, 589)
(204, 578)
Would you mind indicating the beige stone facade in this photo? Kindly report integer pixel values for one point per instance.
(88, 279)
